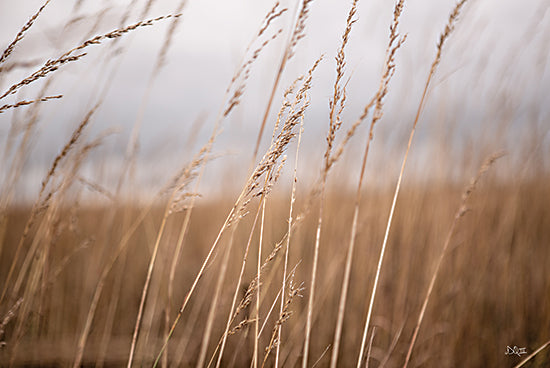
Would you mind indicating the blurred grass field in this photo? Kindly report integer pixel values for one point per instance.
(117, 249)
(492, 291)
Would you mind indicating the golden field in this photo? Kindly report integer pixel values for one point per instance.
(423, 244)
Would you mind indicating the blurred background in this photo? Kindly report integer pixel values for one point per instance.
(489, 93)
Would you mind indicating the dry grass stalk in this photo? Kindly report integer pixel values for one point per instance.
(49, 218)
(273, 14)
(240, 326)
(268, 314)
(95, 187)
(14, 166)
(36, 261)
(119, 32)
(393, 344)
(289, 232)
(27, 126)
(299, 28)
(124, 241)
(338, 99)
(114, 301)
(269, 160)
(177, 185)
(255, 356)
(339, 94)
(271, 178)
(285, 135)
(321, 356)
(444, 36)
(293, 291)
(395, 42)
(179, 188)
(25, 102)
(214, 304)
(369, 350)
(49, 67)
(75, 137)
(533, 354)
(43, 202)
(269, 182)
(267, 187)
(252, 286)
(297, 33)
(133, 143)
(161, 58)
(462, 209)
(251, 290)
(243, 73)
(7, 52)
(12, 312)
(243, 76)
(146, 8)
(189, 329)
(52, 65)
(18, 65)
(246, 300)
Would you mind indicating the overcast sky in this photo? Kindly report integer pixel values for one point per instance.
(496, 60)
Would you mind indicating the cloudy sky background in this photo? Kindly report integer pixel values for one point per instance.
(490, 92)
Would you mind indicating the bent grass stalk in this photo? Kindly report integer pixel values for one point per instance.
(232, 316)
(394, 44)
(246, 299)
(443, 37)
(268, 161)
(7, 52)
(214, 304)
(336, 104)
(234, 100)
(49, 67)
(26, 102)
(258, 286)
(232, 313)
(53, 65)
(269, 180)
(178, 250)
(42, 201)
(533, 354)
(458, 215)
(123, 243)
(289, 232)
(180, 184)
(46, 237)
(296, 34)
(101, 284)
(135, 131)
(148, 281)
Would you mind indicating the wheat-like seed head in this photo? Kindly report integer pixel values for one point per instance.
(25, 102)
(7, 52)
(52, 65)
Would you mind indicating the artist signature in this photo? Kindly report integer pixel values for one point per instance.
(514, 350)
